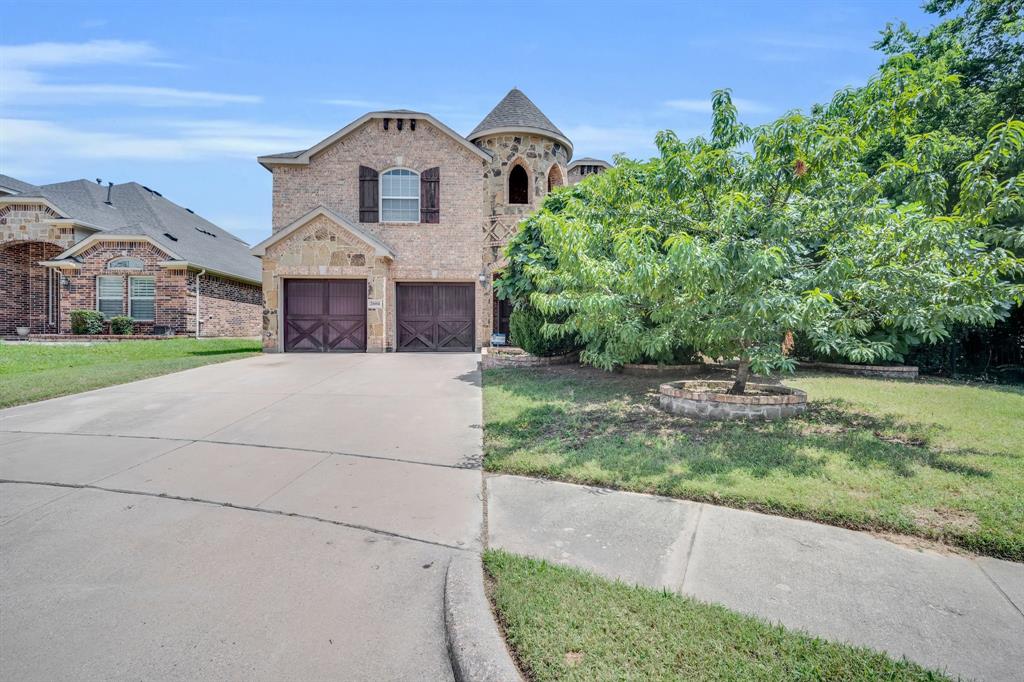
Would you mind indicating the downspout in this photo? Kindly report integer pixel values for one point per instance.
(198, 323)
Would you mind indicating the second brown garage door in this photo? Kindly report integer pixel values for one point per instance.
(436, 317)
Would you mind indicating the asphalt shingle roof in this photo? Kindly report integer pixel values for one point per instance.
(15, 185)
(138, 210)
(516, 110)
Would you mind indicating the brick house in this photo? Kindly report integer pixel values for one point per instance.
(123, 250)
(387, 235)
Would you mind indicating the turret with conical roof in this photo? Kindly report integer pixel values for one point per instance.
(529, 156)
(517, 113)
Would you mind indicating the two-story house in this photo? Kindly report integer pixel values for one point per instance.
(387, 235)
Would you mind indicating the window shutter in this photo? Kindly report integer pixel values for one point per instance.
(368, 195)
(430, 195)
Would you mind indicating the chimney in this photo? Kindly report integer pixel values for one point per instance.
(110, 186)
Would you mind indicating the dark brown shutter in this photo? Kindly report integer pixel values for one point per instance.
(430, 195)
(369, 190)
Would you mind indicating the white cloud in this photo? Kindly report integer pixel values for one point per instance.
(24, 141)
(15, 57)
(703, 106)
(25, 67)
(354, 103)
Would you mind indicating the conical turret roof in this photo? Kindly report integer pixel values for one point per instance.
(515, 112)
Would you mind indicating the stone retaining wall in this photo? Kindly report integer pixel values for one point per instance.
(700, 403)
(908, 372)
(102, 337)
(648, 370)
(516, 357)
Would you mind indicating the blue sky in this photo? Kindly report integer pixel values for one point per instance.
(182, 96)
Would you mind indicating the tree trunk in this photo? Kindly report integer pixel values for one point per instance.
(742, 372)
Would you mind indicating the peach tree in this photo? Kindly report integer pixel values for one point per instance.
(727, 244)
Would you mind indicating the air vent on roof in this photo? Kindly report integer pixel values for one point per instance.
(190, 211)
(207, 232)
(152, 191)
(170, 236)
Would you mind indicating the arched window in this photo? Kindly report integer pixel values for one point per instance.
(555, 178)
(400, 196)
(518, 186)
(125, 264)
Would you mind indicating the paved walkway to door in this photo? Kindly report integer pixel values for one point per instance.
(280, 517)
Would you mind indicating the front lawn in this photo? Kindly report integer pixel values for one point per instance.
(937, 460)
(564, 624)
(36, 371)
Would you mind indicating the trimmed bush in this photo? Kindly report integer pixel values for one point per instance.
(524, 326)
(122, 324)
(681, 355)
(86, 322)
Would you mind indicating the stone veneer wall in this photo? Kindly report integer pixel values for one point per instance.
(228, 307)
(171, 294)
(323, 249)
(447, 251)
(537, 154)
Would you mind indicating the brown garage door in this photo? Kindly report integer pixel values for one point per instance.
(325, 315)
(435, 317)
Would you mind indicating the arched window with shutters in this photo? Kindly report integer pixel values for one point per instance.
(518, 185)
(400, 196)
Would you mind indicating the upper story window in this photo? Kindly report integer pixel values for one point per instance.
(125, 264)
(518, 186)
(400, 196)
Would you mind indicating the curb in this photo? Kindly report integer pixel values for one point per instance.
(476, 648)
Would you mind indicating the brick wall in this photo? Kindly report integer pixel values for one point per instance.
(227, 307)
(171, 292)
(25, 288)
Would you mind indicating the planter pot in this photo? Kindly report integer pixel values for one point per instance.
(22, 331)
(709, 400)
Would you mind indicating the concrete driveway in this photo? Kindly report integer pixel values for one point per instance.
(285, 517)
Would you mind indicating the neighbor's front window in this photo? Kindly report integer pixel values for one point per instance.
(110, 295)
(142, 299)
(400, 196)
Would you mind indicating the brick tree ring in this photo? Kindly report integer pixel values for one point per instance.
(708, 400)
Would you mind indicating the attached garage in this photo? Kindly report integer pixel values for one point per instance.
(436, 317)
(325, 315)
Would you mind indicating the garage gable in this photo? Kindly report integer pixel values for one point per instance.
(321, 224)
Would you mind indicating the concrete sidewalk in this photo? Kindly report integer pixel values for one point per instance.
(959, 614)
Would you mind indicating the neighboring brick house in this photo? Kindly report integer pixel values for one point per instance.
(388, 234)
(123, 250)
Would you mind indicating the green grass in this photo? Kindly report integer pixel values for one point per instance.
(36, 371)
(941, 461)
(564, 624)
